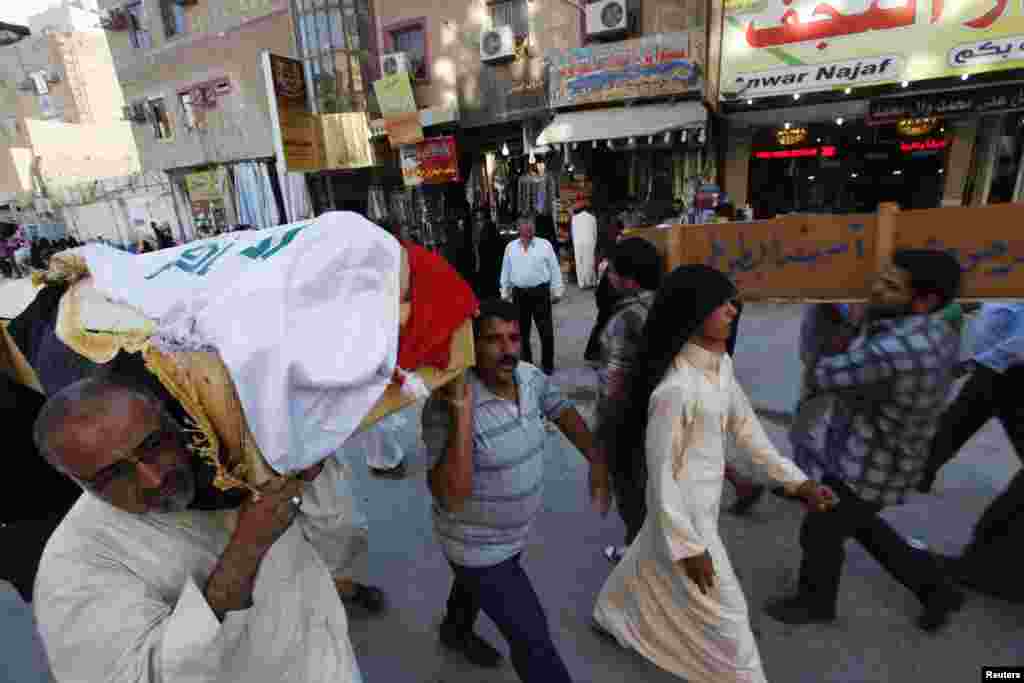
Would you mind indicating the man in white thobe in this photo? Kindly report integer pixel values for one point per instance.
(674, 597)
(134, 585)
(584, 242)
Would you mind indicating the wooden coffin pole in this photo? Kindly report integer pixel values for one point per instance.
(802, 258)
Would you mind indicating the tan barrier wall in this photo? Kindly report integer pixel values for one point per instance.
(834, 257)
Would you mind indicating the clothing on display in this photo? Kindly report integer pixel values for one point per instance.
(584, 243)
(256, 204)
(538, 194)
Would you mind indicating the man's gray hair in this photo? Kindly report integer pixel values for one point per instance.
(85, 399)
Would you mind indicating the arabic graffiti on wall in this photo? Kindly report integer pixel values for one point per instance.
(994, 259)
(922, 38)
(647, 67)
(949, 104)
(750, 262)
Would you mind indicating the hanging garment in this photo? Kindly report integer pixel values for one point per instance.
(297, 203)
(649, 604)
(256, 203)
(584, 244)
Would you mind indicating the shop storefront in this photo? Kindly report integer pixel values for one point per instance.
(841, 166)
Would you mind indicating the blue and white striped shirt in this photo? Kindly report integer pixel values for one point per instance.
(508, 468)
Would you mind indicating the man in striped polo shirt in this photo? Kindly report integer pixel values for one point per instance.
(486, 444)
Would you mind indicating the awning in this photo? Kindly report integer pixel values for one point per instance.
(622, 122)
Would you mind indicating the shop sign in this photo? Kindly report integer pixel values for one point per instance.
(394, 94)
(923, 145)
(916, 127)
(654, 66)
(203, 186)
(791, 136)
(431, 162)
(826, 151)
(404, 129)
(997, 99)
(774, 47)
(296, 131)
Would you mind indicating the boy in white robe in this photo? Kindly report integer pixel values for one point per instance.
(674, 598)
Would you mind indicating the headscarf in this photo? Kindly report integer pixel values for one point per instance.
(687, 297)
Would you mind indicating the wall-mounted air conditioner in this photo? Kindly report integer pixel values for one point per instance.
(54, 76)
(395, 62)
(497, 44)
(606, 18)
(27, 85)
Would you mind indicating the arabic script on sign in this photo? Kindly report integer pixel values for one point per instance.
(987, 52)
(825, 21)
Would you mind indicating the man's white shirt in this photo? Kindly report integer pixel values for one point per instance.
(531, 267)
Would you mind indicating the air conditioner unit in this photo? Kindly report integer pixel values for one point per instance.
(27, 85)
(54, 76)
(497, 44)
(395, 62)
(607, 17)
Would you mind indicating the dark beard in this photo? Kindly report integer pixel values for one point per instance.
(208, 497)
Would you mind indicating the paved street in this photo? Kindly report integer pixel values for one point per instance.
(875, 638)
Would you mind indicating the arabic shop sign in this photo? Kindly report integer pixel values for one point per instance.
(915, 127)
(655, 66)
(775, 47)
(791, 136)
(923, 146)
(826, 152)
(431, 162)
(956, 103)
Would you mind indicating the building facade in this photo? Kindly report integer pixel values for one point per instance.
(916, 103)
(60, 107)
(197, 102)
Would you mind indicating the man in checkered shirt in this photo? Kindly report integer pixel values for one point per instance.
(891, 387)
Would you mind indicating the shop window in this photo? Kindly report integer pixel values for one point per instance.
(195, 116)
(160, 119)
(510, 13)
(138, 33)
(331, 37)
(175, 21)
(410, 37)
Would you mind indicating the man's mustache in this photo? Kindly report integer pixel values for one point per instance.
(508, 360)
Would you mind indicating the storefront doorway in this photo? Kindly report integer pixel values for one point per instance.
(846, 167)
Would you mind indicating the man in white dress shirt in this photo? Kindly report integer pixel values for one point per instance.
(531, 277)
(137, 585)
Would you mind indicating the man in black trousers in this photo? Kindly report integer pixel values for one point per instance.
(532, 278)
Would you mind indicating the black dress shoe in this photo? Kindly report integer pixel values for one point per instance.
(937, 610)
(797, 611)
(475, 649)
(746, 503)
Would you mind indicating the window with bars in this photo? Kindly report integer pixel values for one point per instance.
(412, 40)
(160, 119)
(332, 39)
(138, 33)
(510, 13)
(175, 21)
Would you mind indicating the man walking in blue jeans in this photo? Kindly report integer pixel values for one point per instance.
(486, 442)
